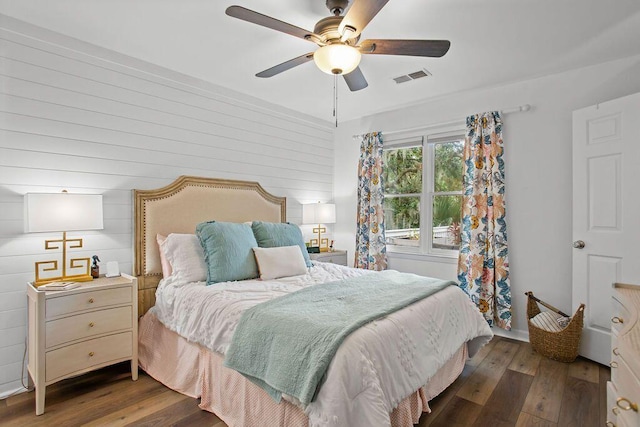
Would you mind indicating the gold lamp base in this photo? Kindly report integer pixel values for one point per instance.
(77, 278)
(53, 264)
(321, 242)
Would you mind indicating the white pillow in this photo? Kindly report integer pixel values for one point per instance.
(282, 261)
(164, 262)
(186, 256)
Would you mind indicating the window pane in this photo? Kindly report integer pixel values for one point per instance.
(448, 166)
(403, 171)
(402, 220)
(446, 222)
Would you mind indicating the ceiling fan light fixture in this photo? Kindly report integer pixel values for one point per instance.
(337, 58)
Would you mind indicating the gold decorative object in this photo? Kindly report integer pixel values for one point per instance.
(626, 405)
(53, 264)
(45, 212)
(319, 213)
(322, 243)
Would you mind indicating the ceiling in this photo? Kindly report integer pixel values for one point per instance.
(492, 42)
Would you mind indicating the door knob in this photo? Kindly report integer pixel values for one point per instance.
(578, 244)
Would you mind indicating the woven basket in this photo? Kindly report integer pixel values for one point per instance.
(563, 345)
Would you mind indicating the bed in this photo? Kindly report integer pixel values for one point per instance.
(383, 374)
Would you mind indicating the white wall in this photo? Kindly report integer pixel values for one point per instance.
(538, 172)
(77, 117)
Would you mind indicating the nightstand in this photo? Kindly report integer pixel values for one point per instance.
(76, 331)
(335, 257)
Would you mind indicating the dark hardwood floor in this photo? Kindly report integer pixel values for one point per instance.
(505, 384)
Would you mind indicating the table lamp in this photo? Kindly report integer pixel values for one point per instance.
(45, 212)
(319, 213)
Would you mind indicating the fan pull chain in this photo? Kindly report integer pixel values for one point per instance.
(335, 98)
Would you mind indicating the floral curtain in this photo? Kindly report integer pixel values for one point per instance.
(371, 249)
(483, 265)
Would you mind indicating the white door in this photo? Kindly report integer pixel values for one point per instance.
(606, 213)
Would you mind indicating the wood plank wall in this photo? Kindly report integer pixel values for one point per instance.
(78, 117)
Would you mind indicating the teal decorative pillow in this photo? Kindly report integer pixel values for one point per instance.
(276, 234)
(228, 251)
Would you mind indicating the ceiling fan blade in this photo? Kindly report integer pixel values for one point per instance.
(431, 48)
(270, 72)
(355, 80)
(267, 21)
(358, 16)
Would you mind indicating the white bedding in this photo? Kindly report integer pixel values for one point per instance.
(374, 369)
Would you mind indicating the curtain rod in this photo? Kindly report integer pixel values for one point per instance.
(518, 109)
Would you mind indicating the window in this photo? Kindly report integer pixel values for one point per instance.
(403, 195)
(423, 194)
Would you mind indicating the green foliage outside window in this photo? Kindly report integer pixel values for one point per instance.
(446, 210)
(447, 177)
(403, 176)
(403, 171)
(448, 167)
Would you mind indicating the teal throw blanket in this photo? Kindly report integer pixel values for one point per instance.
(285, 345)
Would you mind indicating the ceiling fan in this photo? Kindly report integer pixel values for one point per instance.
(339, 40)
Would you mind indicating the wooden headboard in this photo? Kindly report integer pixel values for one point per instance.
(180, 206)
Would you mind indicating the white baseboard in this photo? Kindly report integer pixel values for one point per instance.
(11, 392)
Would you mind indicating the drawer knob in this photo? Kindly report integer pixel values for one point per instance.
(91, 325)
(613, 364)
(616, 319)
(91, 354)
(626, 405)
(91, 302)
(616, 351)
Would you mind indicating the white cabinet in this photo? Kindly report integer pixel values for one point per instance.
(623, 392)
(335, 257)
(76, 331)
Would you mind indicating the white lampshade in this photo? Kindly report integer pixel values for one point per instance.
(337, 58)
(319, 213)
(62, 212)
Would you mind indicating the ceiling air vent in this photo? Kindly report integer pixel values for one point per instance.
(412, 76)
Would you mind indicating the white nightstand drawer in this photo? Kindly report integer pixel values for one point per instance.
(87, 325)
(67, 304)
(336, 257)
(78, 357)
(612, 395)
(623, 393)
(620, 317)
(623, 422)
(627, 387)
(615, 357)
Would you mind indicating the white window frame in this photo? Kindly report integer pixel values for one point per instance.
(428, 141)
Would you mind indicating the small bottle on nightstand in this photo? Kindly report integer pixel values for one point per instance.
(95, 268)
